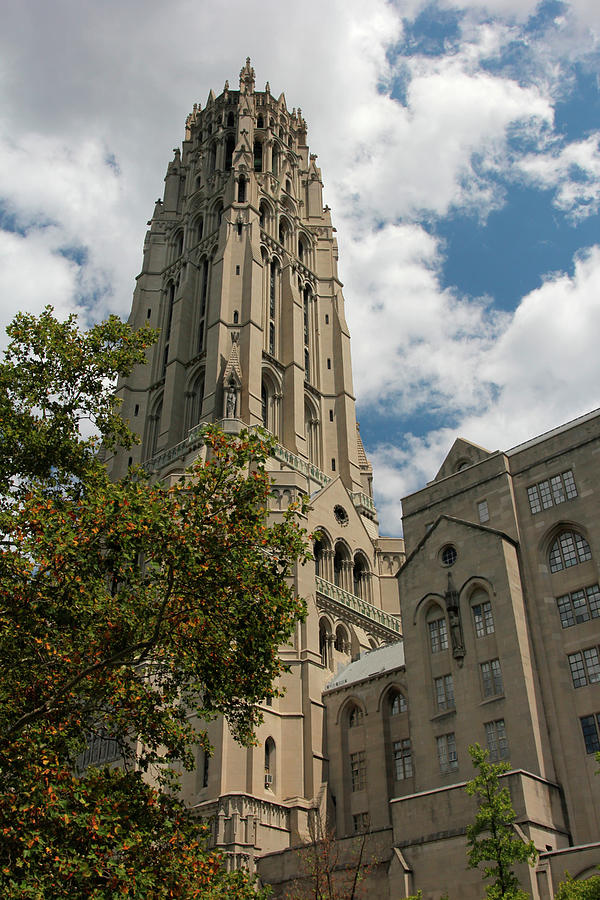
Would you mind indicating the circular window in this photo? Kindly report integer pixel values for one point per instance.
(449, 555)
(341, 515)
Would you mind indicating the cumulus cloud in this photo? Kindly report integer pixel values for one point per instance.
(544, 366)
(94, 96)
(572, 172)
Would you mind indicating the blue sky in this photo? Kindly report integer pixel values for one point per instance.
(460, 150)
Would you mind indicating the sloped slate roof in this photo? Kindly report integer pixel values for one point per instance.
(374, 662)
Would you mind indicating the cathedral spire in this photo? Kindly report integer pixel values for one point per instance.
(247, 78)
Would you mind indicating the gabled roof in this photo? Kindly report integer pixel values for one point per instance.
(453, 519)
(463, 453)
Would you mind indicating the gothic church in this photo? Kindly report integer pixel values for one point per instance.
(484, 627)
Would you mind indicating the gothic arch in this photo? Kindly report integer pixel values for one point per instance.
(195, 396)
(153, 428)
(266, 215)
(271, 392)
(345, 710)
(312, 430)
(285, 231)
(361, 572)
(387, 696)
(325, 634)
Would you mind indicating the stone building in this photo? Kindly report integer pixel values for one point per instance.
(497, 590)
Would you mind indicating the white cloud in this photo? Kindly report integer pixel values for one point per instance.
(572, 172)
(545, 368)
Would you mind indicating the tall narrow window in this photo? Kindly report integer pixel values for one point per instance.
(358, 771)
(483, 618)
(497, 741)
(203, 304)
(438, 635)
(491, 678)
(306, 307)
(275, 166)
(270, 763)
(264, 406)
(229, 148)
(402, 760)
(242, 189)
(446, 751)
(272, 306)
(169, 310)
(258, 156)
(444, 692)
(260, 122)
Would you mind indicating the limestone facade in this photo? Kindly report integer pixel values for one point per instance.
(481, 625)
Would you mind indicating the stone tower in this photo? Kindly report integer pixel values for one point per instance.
(240, 276)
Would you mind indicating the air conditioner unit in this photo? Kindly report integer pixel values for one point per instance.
(268, 780)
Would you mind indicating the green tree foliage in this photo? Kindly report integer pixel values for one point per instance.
(124, 608)
(571, 889)
(491, 839)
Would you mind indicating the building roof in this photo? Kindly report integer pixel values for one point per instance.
(373, 662)
(554, 431)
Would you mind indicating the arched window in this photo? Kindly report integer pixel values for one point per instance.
(397, 703)
(260, 122)
(359, 576)
(318, 555)
(169, 310)
(271, 122)
(212, 157)
(236, 317)
(230, 120)
(342, 644)
(355, 716)
(324, 634)
(300, 249)
(275, 164)
(199, 228)
(262, 210)
(270, 763)
(341, 557)
(569, 549)
(218, 213)
(284, 230)
(196, 398)
(258, 156)
(288, 185)
(203, 304)
(178, 245)
(241, 189)
(229, 148)
(154, 428)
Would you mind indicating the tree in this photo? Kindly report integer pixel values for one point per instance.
(491, 839)
(331, 871)
(124, 608)
(572, 889)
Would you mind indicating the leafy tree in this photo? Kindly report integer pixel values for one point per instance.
(571, 889)
(491, 838)
(124, 608)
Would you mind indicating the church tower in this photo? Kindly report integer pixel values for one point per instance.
(240, 276)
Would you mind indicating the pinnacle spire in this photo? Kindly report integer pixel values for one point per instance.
(247, 78)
